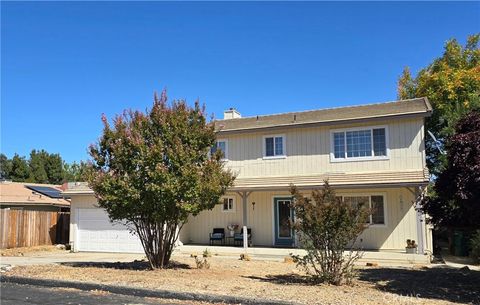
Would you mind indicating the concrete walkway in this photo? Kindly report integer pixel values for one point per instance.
(385, 258)
(460, 262)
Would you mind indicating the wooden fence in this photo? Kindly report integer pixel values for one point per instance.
(33, 228)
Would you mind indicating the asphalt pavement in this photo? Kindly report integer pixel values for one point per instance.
(16, 294)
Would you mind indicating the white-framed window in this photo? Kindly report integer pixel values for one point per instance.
(375, 202)
(228, 204)
(222, 145)
(361, 143)
(274, 147)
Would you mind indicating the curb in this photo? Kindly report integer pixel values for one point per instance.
(141, 292)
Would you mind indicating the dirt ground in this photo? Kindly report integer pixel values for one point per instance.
(150, 299)
(277, 281)
(25, 251)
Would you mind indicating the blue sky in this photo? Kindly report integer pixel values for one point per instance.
(63, 64)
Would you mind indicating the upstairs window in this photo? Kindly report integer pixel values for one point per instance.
(274, 146)
(357, 144)
(379, 142)
(222, 146)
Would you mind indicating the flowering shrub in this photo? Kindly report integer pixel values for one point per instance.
(153, 170)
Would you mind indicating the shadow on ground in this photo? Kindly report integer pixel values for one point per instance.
(442, 283)
(135, 265)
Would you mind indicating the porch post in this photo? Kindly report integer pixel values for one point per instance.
(244, 195)
(245, 208)
(178, 243)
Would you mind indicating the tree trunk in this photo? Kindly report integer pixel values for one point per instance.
(158, 241)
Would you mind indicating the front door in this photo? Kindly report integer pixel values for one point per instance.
(284, 235)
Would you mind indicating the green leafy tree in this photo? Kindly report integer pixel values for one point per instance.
(475, 246)
(53, 164)
(327, 227)
(38, 174)
(454, 200)
(153, 170)
(452, 84)
(46, 167)
(5, 167)
(75, 171)
(42, 167)
(20, 170)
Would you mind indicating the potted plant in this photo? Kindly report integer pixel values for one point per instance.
(411, 246)
(231, 228)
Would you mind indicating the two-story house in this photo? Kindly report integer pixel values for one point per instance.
(371, 154)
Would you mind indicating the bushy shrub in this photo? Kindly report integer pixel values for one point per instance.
(475, 245)
(326, 228)
(201, 264)
(207, 253)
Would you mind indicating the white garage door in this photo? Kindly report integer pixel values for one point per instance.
(97, 233)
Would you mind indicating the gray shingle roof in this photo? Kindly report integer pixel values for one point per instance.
(417, 106)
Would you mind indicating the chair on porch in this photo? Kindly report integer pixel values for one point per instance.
(238, 237)
(218, 234)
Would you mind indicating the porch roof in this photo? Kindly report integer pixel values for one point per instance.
(337, 179)
(383, 179)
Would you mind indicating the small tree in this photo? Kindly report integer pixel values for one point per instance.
(153, 170)
(328, 226)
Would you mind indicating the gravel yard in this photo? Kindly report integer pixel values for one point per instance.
(277, 281)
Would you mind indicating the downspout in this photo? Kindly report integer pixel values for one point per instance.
(421, 227)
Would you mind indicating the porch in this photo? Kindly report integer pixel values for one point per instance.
(263, 211)
(382, 257)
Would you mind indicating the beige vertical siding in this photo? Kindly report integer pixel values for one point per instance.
(400, 220)
(201, 225)
(308, 151)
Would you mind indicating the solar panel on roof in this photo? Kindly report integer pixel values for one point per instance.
(45, 190)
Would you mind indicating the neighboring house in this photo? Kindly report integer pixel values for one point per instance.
(32, 197)
(371, 154)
